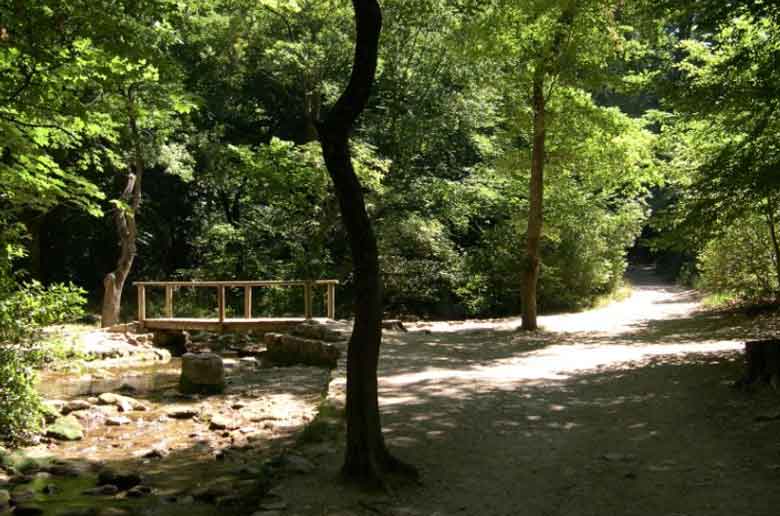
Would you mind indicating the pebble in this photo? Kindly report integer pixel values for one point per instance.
(139, 491)
(182, 413)
(298, 464)
(118, 421)
(75, 405)
(123, 480)
(104, 490)
(223, 423)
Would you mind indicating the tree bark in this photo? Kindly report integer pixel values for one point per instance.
(531, 263)
(770, 215)
(366, 458)
(548, 65)
(125, 220)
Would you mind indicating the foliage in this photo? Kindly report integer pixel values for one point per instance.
(740, 263)
(22, 313)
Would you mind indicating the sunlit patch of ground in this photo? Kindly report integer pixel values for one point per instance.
(624, 410)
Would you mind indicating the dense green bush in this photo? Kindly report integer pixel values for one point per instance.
(23, 312)
(740, 261)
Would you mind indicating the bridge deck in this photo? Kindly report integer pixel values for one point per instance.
(262, 324)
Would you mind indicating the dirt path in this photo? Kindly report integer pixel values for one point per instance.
(625, 410)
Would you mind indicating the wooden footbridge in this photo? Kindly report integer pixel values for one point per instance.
(222, 322)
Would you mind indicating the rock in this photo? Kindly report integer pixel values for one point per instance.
(223, 423)
(210, 493)
(123, 480)
(104, 490)
(182, 412)
(123, 403)
(158, 451)
(297, 464)
(273, 506)
(393, 325)
(74, 405)
(291, 350)
(202, 373)
(21, 494)
(176, 342)
(64, 470)
(113, 511)
(139, 492)
(65, 428)
(619, 457)
(51, 411)
(27, 510)
(247, 362)
(118, 421)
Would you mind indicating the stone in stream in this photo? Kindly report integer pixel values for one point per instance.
(176, 342)
(123, 403)
(223, 423)
(65, 428)
(118, 421)
(104, 490)
(51, 410)
(123, 480)
(202, 373)
(76, 405)
(27, 510)
(182, 413)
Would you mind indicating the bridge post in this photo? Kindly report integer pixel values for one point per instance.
(221, 303)
(247, 302)
(141, 303)
(169, 302)
(331, 301)
(307, 312)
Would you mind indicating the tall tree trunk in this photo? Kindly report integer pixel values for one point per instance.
(125, 219)
(366, 457)
(770, 214)
(531, 263)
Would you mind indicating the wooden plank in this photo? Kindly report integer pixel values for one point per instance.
(331, 301)
(214, 284)
(221, 303)
(141, 303)
(229, 325)
(248, 302)
(169, 301)
(307, 311)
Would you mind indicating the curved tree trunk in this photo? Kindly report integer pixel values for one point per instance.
(125, 220)
(531, 263)
(366, 457)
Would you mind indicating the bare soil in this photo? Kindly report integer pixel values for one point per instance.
(625, 410)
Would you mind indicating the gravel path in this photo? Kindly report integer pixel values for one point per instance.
(625, 410)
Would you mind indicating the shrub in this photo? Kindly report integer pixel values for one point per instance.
(23, 312)
(740, 261)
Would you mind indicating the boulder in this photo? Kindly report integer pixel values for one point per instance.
(202, 373)
(122, 479)
(123, 403)
(75, 405)
(65, 428)
(291, 350)
(176, 342)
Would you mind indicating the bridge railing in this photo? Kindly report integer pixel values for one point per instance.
(223, 286)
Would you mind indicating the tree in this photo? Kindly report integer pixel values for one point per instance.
(367, 457)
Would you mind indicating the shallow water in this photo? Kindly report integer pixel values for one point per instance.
(139, 379)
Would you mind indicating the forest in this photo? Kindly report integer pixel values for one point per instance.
(443, 160)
